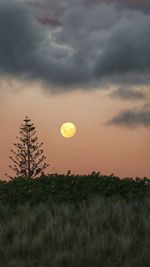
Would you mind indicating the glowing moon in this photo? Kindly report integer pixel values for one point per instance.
(68, 130)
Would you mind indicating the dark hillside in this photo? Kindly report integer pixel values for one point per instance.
(71, 188)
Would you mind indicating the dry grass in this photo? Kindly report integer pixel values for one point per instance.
(102, 233)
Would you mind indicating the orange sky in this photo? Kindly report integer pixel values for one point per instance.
(95, 147)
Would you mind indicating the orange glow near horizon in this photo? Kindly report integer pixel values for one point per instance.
(95, 147)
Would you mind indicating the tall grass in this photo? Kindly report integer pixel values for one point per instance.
(98, 233)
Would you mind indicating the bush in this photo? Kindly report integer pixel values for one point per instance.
(71, 188)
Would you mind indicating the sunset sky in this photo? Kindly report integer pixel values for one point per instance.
(83, 61)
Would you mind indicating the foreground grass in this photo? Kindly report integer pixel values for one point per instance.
(99, 233)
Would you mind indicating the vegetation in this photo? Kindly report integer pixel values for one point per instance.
(75, 221)
(70, 220)
(102, 232)
(27, 160)
(71, 188)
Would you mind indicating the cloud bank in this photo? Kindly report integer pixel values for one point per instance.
(60, 46)
(126, 93)
(133, 118)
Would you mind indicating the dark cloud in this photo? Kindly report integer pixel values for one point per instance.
(133, 118)
(126, 93)
(80, 45)
(29, 51)
(127, 47)
(18, 40)
(134, 4)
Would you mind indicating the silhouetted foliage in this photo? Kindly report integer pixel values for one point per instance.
(71, 188)
(28, 159)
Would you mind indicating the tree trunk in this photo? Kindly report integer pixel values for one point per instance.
(28, 152)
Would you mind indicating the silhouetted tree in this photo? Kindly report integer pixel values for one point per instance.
(27, 159)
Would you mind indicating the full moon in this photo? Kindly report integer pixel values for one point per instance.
(68, 130)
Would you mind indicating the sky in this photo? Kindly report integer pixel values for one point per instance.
(83, 61)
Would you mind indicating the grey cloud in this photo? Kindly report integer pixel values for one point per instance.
(98, 44)
(126, 93)
(132, 118)
(19, 39)
(127, 47)
(28, 50)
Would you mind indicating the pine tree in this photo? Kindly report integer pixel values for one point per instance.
(27, 159)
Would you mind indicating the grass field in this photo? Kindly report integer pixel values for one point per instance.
(102, 232)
